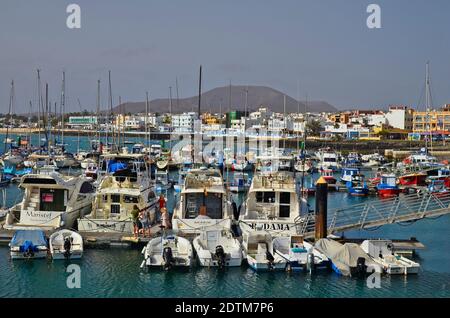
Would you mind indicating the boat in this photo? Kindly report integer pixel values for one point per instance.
(373, 160)
(272, 203)
(439, 174)
(421, 159)
(51, 201)
(353, 160)
(218, 248)
(66, 244)
(382, 252)
(387, 187)
(28, 244)
(303, 166)
(162, 163)
(357, 187)
(241, 182)
(347, 259)
(327, 174)
(259, 252)
(241, 165)
(300, 254)
(348, 173)
(167, 251)
(65, 160)
(124, 181)
(328, 159)
(12, 158)
(203, 203)
(413, 179)
(91, 170)
(437, 187)
(91, 158)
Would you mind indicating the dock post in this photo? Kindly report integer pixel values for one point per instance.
(321, 208)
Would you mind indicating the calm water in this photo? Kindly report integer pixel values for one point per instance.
(115, 272)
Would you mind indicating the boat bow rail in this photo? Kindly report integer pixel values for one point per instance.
(401, 209)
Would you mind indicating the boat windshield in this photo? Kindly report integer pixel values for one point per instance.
(203, 204)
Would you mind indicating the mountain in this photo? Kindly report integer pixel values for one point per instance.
(212, 99)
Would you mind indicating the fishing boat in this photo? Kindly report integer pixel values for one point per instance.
(299, 254)
(272, 203)
(437, 187)
(348, 173)
(218, 248)
(51, 201)
(259, 252)
(353, 160)
(421, 159)
(124, 181)
(413, 179)
(347, 259)
(357, 187)
(241, 182)
(168, 251)
(66, 244)
(387, 187)
(28, 244)
(203, 203)
(373, 160)
(382, 252)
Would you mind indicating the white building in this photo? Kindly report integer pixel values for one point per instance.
(399, 117)
(183, 122)
(376, 119)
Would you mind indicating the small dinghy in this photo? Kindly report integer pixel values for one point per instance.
(258, 249)
(218, 248)
(300, 255)
(347, 259)
(167, 251)
(27, 244)
(382, 252)
(66, 244)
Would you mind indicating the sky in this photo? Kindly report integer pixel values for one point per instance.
(319, 48)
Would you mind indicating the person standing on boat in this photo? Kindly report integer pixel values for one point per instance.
(165, 219)
(144, 218)
(135, 218)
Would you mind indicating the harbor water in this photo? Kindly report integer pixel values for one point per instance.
(115, 272)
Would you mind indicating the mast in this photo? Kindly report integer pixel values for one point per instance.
(110, 110)
(428, 102)
(29, 126)
(170, 101)
(11, 102)
(78, 137)
(199, 92)
(98, 111)
(46, 119)
(145, 120)
(40, 106)
(284, 121)
(63, 106)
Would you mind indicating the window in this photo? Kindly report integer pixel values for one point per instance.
(115, 198)
(266, 197)
(285, 204)
(130, 199)
(285, 197)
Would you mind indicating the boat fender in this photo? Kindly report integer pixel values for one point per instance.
(168, 258)
(220, 254)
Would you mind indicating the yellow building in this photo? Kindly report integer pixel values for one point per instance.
(342, 118)
(434, 120)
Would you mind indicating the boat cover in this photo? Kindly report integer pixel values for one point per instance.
(23, 237)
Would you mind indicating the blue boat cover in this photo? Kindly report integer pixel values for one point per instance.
(116, 166)
(29, 237)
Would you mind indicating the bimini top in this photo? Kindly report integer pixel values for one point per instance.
(37, 237)
(278, 180)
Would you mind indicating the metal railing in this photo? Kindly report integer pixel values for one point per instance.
(404, 208)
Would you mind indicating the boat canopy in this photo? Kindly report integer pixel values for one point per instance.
(36, 237)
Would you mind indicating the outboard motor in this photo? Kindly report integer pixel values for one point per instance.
(310, 266)
(67, 247)
(361, 267)
(28, 249)
(168, 258)
(220, 254)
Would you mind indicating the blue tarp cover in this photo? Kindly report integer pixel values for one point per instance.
(37, 237)
(116, 166)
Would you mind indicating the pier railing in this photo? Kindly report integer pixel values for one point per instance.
(404, 208)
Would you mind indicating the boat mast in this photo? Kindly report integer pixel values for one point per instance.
(63, 106)
(78, 138)
(146, 120)
(98, 111)
(11, 102)
(284, 121)
(29, 126)
(40, 106)
(428, 102)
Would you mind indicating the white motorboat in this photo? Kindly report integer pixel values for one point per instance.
(66, 244)
(28, 244)
(91, 170)
(218, 248)
(168, 251)
(300, 254)
(124, 181)
(272, 203)
(347, 259)
(382, 252)
(12, 159)
(51, 201)
(203, 203)
(65, 160)
(306, 166)
(328, 159)
(259, 252)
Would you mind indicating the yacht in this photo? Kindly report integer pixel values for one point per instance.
(203, 203)
(272, 204)
(328, 159)
(51, 201)
(124, 182)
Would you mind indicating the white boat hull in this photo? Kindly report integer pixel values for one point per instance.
(265, 265)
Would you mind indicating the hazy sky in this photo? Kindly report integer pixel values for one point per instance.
(323, 45)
